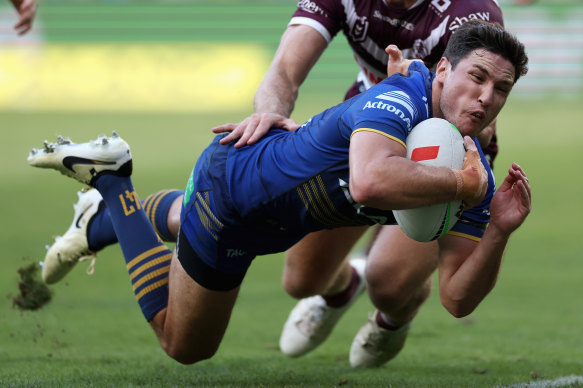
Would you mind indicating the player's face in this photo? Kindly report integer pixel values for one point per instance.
(475, 91)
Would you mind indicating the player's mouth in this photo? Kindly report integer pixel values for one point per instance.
(478, 115)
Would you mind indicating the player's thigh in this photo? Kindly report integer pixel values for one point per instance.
(196, 317)
(316, 257)
(397, 265)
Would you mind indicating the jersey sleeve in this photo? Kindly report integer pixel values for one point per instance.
(394, 106)
(472, 223)
(325, 16)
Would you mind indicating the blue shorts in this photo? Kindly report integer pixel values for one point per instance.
(205, 220)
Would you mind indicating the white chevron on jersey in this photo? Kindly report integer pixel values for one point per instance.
(402, 99)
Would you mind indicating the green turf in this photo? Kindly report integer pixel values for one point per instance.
(92, 332)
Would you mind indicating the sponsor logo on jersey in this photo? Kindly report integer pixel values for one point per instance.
(359, 29)
(441, 5)
(235, 252)
(458, 21)
(398, 103)
(394, 21)
(311, 7)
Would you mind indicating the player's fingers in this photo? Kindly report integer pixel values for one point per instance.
(469, 144)
(26, 11)
(526, 195)
(24, 24)
(243, 140)
(523, 195)
(508, 182)
(290, 125)
(395, 55)
(262, 128)
(227, 139)
(225, 127)
(520, 177)
(20, 26)
(244, 133)
(234, 134)
(516, 166)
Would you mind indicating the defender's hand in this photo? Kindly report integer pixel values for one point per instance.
(253, 128)
(26, 11)
(472, 179)
(396, 62)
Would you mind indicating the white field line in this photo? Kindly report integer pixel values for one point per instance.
(568, 381)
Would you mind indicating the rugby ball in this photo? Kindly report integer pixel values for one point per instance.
(437, 143)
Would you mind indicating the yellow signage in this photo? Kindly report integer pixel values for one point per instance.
(175, 77)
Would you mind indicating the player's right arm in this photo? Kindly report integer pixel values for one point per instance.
(299, 49)
(382, 177)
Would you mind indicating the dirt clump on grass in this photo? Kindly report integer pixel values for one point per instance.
(33, 293)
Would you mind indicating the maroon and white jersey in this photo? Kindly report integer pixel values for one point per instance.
(420, 31)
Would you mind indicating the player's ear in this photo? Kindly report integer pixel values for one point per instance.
(442, 69)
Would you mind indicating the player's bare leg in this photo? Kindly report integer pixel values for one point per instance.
(316, 269)
(191, 328)
(398, 277)
(173, 219)
(317, 265)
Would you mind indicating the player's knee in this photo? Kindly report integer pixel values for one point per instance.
(188, 355)
(173, 218)
(300, 287)
(398, 293)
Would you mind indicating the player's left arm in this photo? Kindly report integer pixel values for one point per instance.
(468, 269)
(26, 12)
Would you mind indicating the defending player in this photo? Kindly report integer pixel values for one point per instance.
(240, 202)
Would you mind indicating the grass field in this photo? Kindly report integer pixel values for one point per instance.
(92, 333)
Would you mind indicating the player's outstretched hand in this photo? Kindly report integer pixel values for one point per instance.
(472, 179)
(512, 201)
(253, 128)
(396, 62)
(26, 11)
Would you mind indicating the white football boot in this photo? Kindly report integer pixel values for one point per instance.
(73, 246)
(373, 345)
(85, 161)
(312, 320)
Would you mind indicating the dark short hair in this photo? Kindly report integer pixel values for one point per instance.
(492, 37)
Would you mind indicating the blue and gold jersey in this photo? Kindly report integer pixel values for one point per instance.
(264, 198)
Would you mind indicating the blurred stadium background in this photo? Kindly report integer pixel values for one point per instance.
(209, 56)
(147, 67)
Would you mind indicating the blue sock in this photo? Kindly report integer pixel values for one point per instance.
(147, 258)
(100, 232)
(157, 207)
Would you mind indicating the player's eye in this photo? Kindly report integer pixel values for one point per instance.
(503, 89)
(477, 77)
